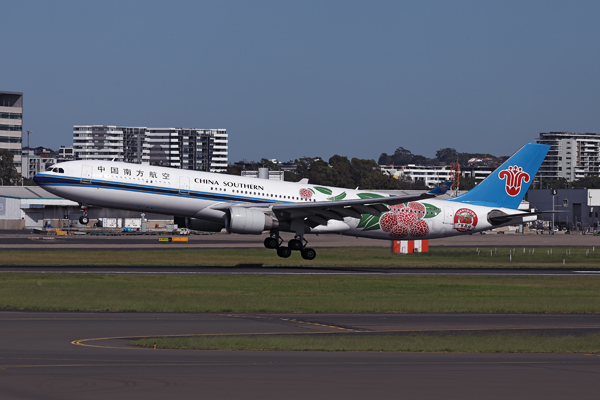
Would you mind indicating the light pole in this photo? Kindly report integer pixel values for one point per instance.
(554, 192)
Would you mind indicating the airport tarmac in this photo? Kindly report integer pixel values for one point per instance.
(29, 240)
(72, 355)
(61, 355)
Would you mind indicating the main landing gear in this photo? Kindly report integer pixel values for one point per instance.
(298, 243)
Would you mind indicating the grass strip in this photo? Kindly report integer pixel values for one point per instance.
(467, 343)
(299, 293)
(499, 257)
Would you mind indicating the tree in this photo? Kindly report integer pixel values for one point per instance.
(342, 168)
(234, 170)
(467, 183)
(268, 164)
(446, 155)
(8, 172)
(590, 182)
(384, 159)
(402, 156)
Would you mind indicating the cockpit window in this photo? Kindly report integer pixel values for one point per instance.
(58, 170)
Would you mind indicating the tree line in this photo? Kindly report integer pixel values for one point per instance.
(339, 171)
(445, 156)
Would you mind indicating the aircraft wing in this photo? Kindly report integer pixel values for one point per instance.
(318, 213)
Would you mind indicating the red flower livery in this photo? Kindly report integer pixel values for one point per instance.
(515, 176)
(465, 220)
(405, 220)
(305, 193)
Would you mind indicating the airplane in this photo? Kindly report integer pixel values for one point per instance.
(211, 201)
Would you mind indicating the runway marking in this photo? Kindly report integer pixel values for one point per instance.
(294, 320)
(80, 342)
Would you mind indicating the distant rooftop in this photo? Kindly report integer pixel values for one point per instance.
(26, 192)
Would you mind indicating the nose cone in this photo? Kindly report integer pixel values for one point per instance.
(38, 179)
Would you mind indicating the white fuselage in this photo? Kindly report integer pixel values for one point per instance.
(185, 193)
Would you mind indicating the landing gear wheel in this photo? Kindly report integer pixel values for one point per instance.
(308, 253)
(295, 244)
(271, 243)
(284, 252)
(83, 220)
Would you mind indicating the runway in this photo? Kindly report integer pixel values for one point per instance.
(58, 355)
(253, 269)
(28, 240)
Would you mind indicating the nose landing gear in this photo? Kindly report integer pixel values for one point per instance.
(84, 220)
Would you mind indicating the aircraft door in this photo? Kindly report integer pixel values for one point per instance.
(184, 185)
(86, 174)
(448, 215)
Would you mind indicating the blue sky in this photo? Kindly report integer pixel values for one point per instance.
(289, 79)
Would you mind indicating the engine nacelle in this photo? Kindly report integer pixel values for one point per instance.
(248, 221)
(199, 224)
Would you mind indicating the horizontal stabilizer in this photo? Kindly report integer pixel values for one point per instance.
(497, 217)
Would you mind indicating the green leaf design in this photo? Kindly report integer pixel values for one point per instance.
(369, 195)
(365, 218)
(338, 197)
(431, 210)
(372, 227)
(368, 222)
(324, 190)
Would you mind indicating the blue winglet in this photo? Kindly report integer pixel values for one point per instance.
(507, 185)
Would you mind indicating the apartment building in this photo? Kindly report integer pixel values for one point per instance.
(11, 125)
(185, 148)
(572, 156)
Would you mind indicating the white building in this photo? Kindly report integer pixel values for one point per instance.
(28, 207)
(66, 153)
(264, 173)
(33, 164)
(196, 149)
(434, 176)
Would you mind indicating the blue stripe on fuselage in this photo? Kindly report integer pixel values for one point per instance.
(51, 180)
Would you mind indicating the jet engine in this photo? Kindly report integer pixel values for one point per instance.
(199, 224)
(245, 220)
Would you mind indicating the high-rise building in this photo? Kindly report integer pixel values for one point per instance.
(11, 125)
(185, 148)
(572, 155)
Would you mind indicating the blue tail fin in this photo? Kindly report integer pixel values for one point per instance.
(507, 185)
(443, 188)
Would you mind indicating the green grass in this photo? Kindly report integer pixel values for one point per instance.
(299, 293)
(472, 343)
(501, 257)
